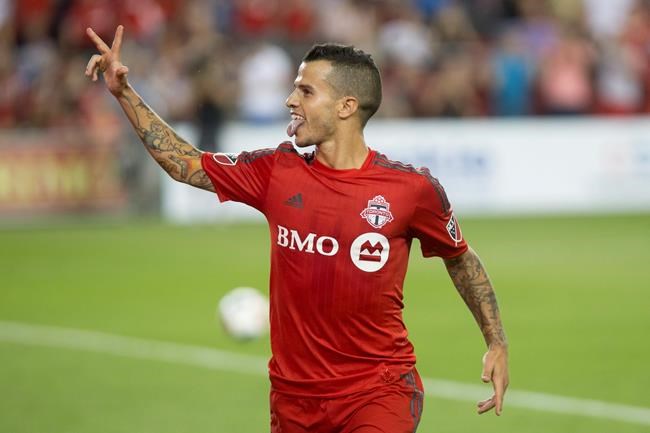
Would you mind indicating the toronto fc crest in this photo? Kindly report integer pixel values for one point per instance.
(378, 212)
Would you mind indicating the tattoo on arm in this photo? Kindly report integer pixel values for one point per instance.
(200, 179)
(182, 163)
(473, 284)
(169, 168)
(177, 157)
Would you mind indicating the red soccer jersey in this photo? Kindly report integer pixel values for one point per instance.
(340, 242)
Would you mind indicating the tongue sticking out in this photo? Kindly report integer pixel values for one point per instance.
(293, 126)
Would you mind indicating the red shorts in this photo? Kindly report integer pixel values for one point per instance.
(393, 408)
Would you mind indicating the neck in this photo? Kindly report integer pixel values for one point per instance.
(341, 154)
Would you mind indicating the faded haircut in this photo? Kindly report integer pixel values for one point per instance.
(354, 73)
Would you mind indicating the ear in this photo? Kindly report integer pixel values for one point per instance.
(348, 106)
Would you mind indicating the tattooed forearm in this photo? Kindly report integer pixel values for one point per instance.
(473, 284)
(177, 157)
(156, 134)
(200, 179)
(169, 168)
(182, 163)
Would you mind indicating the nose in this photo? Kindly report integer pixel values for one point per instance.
(291, 100)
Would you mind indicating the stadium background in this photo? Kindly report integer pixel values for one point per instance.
(91, 252)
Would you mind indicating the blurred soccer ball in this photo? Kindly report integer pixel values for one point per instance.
(244, 313)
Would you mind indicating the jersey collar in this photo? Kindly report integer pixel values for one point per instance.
(322, 168)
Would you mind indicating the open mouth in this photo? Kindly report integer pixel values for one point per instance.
(296, 121)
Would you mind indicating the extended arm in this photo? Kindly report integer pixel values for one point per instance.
(473, 284)
(177, 157)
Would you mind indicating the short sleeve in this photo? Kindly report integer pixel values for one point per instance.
(242, 177)
(434, 222)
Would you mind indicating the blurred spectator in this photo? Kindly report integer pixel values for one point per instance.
(538, 30)
(606, 18)
(215, 94)
(298, 18)
(453, 26)
(255, 18)
(569, 13)
(406, 41)
(6, 24)
(511, 75)
(619, 83)
(454, 86)
(10, 89)
(353, 22)
(636, 37)
(430, 8)
(144, 18)
(452, 91)
(37, 50)
(487, 16)
(265, 76)
(204, 60)
(101, 15)
(565, 76)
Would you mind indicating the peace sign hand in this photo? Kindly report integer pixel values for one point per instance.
(108, 62)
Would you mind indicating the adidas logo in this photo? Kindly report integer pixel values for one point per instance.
(295, 201)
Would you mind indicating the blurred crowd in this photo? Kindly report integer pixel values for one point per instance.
(205, 61)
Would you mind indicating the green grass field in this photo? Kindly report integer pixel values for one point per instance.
(574, 294)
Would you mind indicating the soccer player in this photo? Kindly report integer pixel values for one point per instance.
(341, 219)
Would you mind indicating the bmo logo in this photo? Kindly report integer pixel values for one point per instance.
(312, 243)
(369, 252)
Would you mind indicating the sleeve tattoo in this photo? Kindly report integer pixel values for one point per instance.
(177, 157)
(473, 284)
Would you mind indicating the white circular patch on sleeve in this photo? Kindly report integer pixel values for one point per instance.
(369, 252)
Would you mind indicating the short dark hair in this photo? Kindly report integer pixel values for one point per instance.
(354, 73)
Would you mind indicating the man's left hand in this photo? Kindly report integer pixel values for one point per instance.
(495, 370)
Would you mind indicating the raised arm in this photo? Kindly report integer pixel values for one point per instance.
(177, 157)
(473, 284)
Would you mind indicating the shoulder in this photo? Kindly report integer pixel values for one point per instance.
(284, 150)
(420, 176)
(287, 151)
(233, 159)
(249, 156)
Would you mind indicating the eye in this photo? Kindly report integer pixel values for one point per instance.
(306, 90)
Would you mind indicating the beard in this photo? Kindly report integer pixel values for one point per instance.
(303, 141)
(312, 134)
